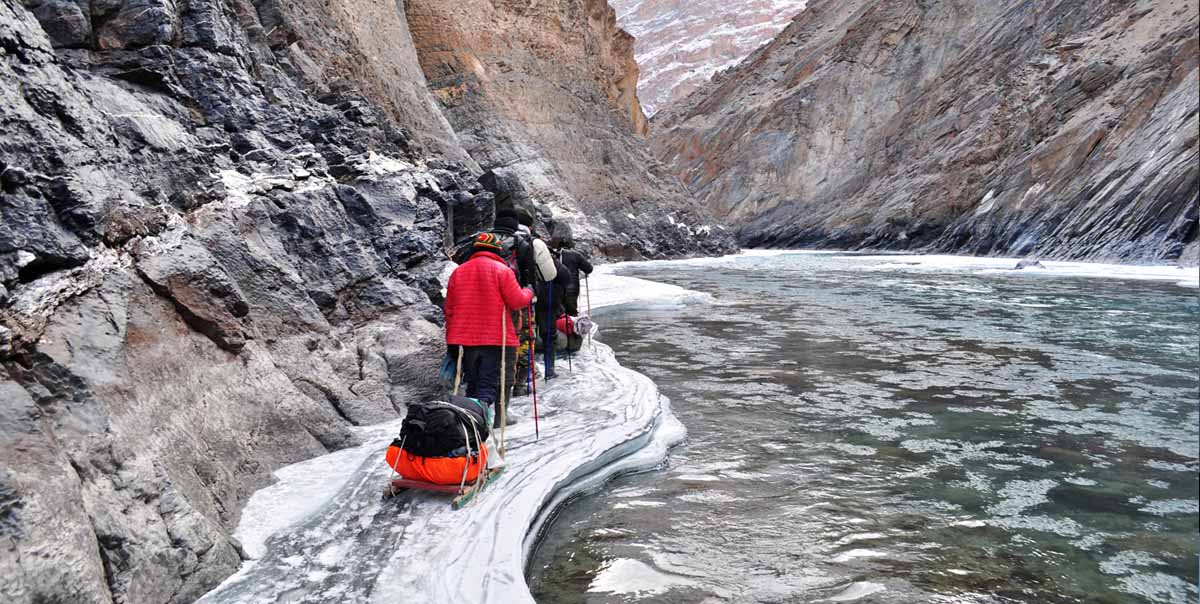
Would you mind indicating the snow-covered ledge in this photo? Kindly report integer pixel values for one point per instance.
(322, 533)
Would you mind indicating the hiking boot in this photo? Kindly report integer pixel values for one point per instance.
(495, 462)
(520, 391)
(510, 421)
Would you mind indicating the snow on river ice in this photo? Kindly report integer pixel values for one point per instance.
(323, 533)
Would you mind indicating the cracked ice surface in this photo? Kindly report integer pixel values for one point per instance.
(323, 534)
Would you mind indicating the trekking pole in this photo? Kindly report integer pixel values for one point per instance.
(588, 289)
(503, 371)
(458, 372)
(550, 329)
(537, 435)
(528, 327)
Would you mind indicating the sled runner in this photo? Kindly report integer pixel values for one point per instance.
(442, 448)
(462, 496)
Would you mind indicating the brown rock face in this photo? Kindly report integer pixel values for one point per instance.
(546, 93)
(1054, 128)
(682, 43)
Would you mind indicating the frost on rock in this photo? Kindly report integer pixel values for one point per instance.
(324, 534)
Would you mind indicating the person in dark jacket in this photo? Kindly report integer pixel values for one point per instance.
(518, 251)
(517, 246)
(574, 262)
(549, 291)
(551, 296)
(480, 298)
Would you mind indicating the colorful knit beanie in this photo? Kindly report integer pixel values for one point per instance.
(487, 242)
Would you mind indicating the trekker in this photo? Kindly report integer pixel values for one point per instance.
(518, 247)
(546, 271)
(547, 306)
(551, 295)
(480, 298)
(518, 251)
(574, 262)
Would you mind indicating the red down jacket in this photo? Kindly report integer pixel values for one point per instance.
(478, 292)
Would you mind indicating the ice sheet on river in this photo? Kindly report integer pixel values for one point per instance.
(323, 534)
(983, 265)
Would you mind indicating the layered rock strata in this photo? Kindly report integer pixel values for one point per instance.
(215, 256)
(221, 227)
(1059, 129)
(545, 94)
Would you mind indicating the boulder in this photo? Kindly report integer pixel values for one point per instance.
(67, 22)
(138, 23)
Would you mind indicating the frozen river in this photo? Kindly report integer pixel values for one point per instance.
(903, 430)
(322, 534)
(862, 429)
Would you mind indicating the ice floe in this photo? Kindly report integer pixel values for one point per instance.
(1183, 276)
(628, 576)
(942, 263)
(995, 266)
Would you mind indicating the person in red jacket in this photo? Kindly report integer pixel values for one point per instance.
(479, 299)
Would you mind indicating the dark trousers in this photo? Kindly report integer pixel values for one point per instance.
(549, 337)
(571, 304)
(481, 371)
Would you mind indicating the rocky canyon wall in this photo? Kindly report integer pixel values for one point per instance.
(546, 93)
(1061, 129)
(216, 254)
(221, 226)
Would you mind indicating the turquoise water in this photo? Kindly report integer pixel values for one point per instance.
(867, 433)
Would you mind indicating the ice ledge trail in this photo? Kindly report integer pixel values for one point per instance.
(323, 534)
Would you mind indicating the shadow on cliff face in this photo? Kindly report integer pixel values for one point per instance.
(222, 232)
(545, 94)
(1056, 129)
(209, 267)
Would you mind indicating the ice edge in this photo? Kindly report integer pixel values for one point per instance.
(638, 442)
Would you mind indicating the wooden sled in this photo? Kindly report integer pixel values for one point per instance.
(461, 496)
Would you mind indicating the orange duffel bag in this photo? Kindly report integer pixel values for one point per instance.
(438, 470)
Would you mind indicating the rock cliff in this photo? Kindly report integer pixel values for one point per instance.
(545, 93)
(207, 269)
(682, 43)
(221, 226)
(1060, 129)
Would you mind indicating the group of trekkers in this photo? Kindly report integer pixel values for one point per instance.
(511, 294)
(513, 297)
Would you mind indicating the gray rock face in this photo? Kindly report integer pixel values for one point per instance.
(209, 268)
(1056, 129)
(221, 227)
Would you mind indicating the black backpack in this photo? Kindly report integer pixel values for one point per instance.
(435, 428)
(463, 248)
